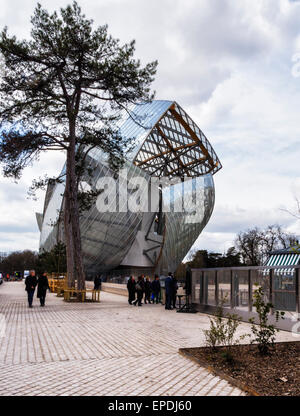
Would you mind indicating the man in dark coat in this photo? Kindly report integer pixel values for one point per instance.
(140, 288)
(97, 283)
(42, 286)
(131, 290)
(147, 290)
(30, 284)
(169, 291)
(174, 291)
(155, 288)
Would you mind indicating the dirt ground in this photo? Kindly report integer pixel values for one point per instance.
(277, 374)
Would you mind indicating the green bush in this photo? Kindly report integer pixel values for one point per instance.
(222, 330)
(263, 332)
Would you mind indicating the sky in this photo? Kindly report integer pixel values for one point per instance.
(234, 66)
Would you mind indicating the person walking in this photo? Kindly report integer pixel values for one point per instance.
(169, 291)
(174, 291)
(155, 288)
(131, 290)
(42, 286)
(147, 290)
(97, 283)
(30, 284)
(140, 288)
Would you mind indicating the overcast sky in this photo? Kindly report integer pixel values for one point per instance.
(229, 64)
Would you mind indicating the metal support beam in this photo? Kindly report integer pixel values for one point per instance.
(249, 292)
(193, 136)
(151, 248)
(231, 290)
(201, 294)
(168, 143)
(297, 288)
(271, 293)
(216, 288)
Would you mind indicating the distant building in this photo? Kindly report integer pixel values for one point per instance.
(167, 143)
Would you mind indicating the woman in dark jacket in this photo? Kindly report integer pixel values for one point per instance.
(131, 290)
(140, 288)
(42, 286)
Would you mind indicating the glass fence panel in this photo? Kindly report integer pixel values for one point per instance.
(224, 277)
(196, 282)
(236, 288)
(261, 278)
(240, 289)
(209, 287)
(284, 287)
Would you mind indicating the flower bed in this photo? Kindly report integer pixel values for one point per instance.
(277, 374)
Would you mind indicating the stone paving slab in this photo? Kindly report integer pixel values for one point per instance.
(106, 348)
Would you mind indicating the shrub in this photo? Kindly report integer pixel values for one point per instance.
(263, 332)
(222, 330)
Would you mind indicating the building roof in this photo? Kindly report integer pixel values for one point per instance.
(167, 141)
(289, 250)
(285, 257)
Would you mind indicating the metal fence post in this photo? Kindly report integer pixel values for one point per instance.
(271, 297)
(231, 290)
(297, 288)
(249, 291)
(202, 288)
(216, 288)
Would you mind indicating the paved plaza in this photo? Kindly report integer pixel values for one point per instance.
(106, 348)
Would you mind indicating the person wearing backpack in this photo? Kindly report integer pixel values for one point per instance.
(140, 288)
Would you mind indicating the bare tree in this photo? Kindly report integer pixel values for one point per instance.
(255, 245)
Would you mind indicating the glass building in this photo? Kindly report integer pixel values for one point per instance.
(150, 216)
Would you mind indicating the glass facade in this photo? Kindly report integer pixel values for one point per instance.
(167, 145)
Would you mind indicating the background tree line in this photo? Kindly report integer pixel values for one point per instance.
(251, 248)
(49, 261)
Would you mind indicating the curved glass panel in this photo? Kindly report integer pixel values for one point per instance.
(168, 144)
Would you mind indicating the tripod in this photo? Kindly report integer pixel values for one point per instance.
(187, 307)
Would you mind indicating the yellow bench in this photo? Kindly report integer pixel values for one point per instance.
(95, 294)
(56, 285)
(73, 293)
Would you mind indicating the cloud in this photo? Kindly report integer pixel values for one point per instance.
(18, 226)
(229, 65)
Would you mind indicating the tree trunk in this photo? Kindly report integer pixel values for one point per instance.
(73, 209)
(69, 241)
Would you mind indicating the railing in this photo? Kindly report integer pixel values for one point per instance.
(237, 284)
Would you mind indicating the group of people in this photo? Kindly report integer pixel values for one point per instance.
(42, 284)
(137, 290)
(143, 287)
(151, 290)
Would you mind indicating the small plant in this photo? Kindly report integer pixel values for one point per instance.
(222, 330)
(263, 332)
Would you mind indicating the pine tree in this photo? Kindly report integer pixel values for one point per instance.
(61, 90)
